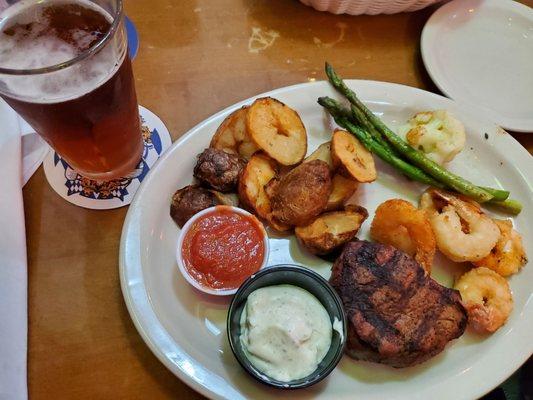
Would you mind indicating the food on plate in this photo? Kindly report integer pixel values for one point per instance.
(222, 248)
(351, 158)
(270, 187)
(379, 147)
(342, 189)
(438, 134)
(190, 200)
(462, 231)
(391, 148)
(322, 152)
(397, 314)
(226, 199)
(285, 331)
(259, 170)
(400, 224)
(302, 194)
(277, 130)
(486, 297)
(218, 169)
(509, 255)
(331, 230)
(232, 135)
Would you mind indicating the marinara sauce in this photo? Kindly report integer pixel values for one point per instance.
(223, 248)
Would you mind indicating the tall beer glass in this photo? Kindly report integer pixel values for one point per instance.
(64, 68)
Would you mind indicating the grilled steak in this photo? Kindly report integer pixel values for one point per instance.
(396, 314)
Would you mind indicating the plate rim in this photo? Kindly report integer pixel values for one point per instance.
(135, 208)
(428, 32)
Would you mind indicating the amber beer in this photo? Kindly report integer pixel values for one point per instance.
(87, 110)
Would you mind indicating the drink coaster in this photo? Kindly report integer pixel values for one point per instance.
(133, 37)
(87, 193)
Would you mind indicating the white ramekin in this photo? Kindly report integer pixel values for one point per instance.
(185, 229)
(371, 7)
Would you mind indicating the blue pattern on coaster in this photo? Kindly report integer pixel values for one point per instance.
(118, 188)
(133, 37)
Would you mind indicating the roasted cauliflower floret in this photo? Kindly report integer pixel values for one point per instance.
(436, 133)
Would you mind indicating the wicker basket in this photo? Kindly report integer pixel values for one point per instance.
(372, 7)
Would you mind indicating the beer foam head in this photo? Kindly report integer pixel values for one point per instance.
(27, 41)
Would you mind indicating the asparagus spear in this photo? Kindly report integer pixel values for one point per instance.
(498, 194)
(500, 197)
(361, 119)
(373, 146)
(418, 158)
(511, 206)
(499, 201)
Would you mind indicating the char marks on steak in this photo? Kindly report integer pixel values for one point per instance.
(397, 315)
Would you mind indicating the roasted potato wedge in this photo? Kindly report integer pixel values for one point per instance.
(278, 226)
(272, 186)
(256, 174)
(232, 135)
(302, 194)
(190, 200)
(322, 152)
(226, 199)
(352, 158)
(342, 189)
(331, 230)
(277, 130)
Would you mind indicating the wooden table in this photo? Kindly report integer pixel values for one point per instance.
(193, 61)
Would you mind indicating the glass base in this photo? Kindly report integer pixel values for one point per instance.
(124, 171)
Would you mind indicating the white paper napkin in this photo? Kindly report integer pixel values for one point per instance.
(13, 267)
(34, 149)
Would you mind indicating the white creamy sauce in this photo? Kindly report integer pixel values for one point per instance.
(285, 331)
(338, 327)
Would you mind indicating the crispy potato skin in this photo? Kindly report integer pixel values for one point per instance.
(219, 170)
(302, 194)
(351, 158)
(226, 199)
(272, 186)
(276, 225)
(190, 200)
(277, 130)
(232, 135)
(342, 189)
(331, 230)
(257, 173)
(322, 152)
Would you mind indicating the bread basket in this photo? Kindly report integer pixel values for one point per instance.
(372, 7)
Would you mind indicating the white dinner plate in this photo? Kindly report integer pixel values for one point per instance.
(480, 52)
(186, 330)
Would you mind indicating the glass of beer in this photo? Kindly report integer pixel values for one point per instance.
(64, 67)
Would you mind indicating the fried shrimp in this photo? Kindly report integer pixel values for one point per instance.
(462, 231)
(400, 224)
(508, 256)
(487, 298)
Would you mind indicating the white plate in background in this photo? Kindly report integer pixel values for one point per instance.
(186, 330)
(480, 52)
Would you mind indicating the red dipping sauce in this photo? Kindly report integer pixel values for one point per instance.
(222, 248)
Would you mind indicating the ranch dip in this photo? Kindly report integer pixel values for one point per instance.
(285, 331)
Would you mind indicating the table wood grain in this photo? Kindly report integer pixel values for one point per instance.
(193, 61)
